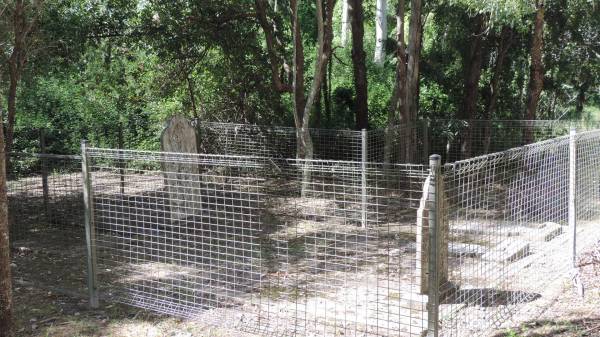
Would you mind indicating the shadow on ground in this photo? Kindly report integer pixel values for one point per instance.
(582, 327)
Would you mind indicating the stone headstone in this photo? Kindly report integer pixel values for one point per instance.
(508, 251)
(182, 180)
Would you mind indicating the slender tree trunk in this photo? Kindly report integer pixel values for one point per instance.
(319, 107)
(344, 35)
(398, 110)
(471, 85)
(380, 32)
(191, 92)
(16, 63)
(505, 42)
(415, 36)
(327, 93)
(580, 99)
(12, 109)
(6, 324)
(536, 71)
(276, 61)
(359, 64)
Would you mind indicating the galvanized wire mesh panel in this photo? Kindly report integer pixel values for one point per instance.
(463, 139)
(508, 235)
(276, 142)
(406, 143)
(44, 192)
(588, 176)
(273, 247)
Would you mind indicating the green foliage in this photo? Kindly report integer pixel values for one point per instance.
(100, 68)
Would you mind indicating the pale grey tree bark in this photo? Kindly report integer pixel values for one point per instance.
(345, 21)
(380, 31)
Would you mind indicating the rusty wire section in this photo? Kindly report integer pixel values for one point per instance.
(44, 193)
(510, 244)
(270, 247)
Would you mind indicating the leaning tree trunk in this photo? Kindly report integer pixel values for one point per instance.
(359, 65)
(397, 112)
(471, 86)
(303, 106)
(380, 32)
(505, 42)
(536, 72)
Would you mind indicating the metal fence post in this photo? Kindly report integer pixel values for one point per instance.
(425, 140)
(572, 192)
(364, 159)
(435, 223)
(89, 227)
(44, 169)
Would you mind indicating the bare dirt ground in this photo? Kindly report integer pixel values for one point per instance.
(50, 296)
(50, 299)
(570, 315)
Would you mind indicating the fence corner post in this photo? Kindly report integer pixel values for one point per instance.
(364, 159)
(89, 227)
(572, 215)
(436, 219)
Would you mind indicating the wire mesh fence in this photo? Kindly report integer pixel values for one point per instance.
(273, 246)
(265, 246)
(510, 233)
(44, 192)
(408, 143)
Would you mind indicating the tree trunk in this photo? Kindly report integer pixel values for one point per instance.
(536, 71)
(16, 63)
(6, 325)
(191, 92)
(344, 35)
(415, 35)
(580, 99)
(319, 106)
(397, 112)
(471, 85)
(505, 42)
(359, 64)
(380, 32)
(12, 109)
(276, 61)
(327, 93)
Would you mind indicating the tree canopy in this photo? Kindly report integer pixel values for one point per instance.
(112, 71)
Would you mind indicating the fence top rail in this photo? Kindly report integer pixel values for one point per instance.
(46, 155)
